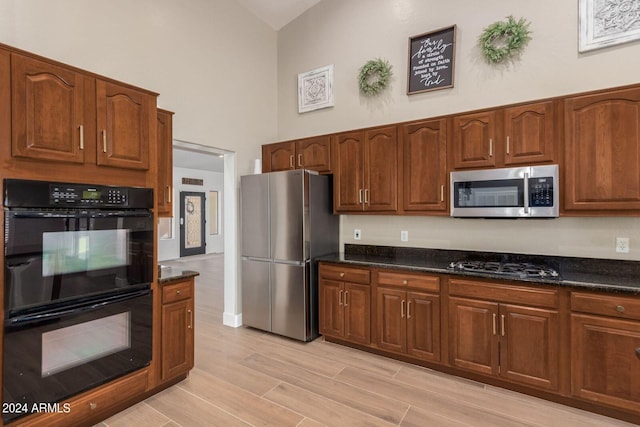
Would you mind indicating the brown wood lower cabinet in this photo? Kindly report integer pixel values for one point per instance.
(407, 317)
(177, 329)
(489, 335)
(605, 348)
(345, 306)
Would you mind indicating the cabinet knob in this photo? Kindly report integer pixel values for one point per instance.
(93, 405)
(404, 282)
(178, 292)
(620, 309)
(341, 274)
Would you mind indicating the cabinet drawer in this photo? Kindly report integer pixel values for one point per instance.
(606, 305)
(418, 281)
(506, 293)
(94, 404)
(177, 292)
(345, 274)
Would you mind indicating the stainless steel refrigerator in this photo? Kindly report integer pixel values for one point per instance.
(286, 221)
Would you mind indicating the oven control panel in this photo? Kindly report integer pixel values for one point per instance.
(20, 193)
(541, 192)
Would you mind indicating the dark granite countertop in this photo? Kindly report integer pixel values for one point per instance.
(174, 274)
(587, 273)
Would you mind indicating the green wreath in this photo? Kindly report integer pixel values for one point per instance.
(504, 39)
(374, 76)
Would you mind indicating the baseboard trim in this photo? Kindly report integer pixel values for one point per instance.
(233, 320)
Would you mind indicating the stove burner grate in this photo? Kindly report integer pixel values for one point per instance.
(518, 269)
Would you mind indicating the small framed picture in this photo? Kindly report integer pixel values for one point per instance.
(605, 23)
(315, 89)
(431, 60)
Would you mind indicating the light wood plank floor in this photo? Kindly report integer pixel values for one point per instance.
(245, 377)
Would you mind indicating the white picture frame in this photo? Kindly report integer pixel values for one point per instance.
(315, 89)
(604, 23)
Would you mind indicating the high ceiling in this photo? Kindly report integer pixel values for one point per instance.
(277, 13)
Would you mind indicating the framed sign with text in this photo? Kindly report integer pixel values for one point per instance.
(431, 60)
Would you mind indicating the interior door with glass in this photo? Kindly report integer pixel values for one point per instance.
(192, 223)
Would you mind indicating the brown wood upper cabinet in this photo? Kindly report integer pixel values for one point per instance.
(309, 153)
(510, 136)
(365, 166)
(60, 114)
(602, 148)
(505, 331)
(165, 163)
(424, 165)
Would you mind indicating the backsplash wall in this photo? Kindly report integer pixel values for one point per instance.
(580, 237)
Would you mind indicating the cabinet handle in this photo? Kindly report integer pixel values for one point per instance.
(81, 128)
(360, 196)
(346, 295)
(502, 324)
(409, 310)
(104, 141)
(507, 145)
(490, 147)
(340, 298)
(402, 309)
(190, 312)
(494, 324)
(93, 405)
(168, 194)
(366, 196)
(291, 161)
(442, 193)
(620, 309)
(300, 160)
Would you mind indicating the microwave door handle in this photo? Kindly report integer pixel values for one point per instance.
(526, 193)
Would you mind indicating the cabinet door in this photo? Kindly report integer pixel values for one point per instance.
(357, 313)
(529, 346)
(278, 157)
(530, 133)
(331, 312)
(314, 154)
(473, 338)
(423, 326)
(424, 155)
(48, 118)
(165, 163)
(474, 139)
(381, 170)
(126, 120)
(605, 360)
(177, 338)
(348, 161)
(602, 148)
(390, 317)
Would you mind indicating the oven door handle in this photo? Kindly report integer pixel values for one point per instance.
(74, 310)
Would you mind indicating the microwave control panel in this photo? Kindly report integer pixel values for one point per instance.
(541, 192)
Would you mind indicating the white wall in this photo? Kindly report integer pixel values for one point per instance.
(213, 181)
(347, 33)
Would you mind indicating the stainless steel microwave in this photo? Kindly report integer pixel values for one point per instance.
(522, 192)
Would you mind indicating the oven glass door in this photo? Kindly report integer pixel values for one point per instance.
(54, 354)
(62, 255)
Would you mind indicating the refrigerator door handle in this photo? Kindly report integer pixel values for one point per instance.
(250, 258)
(289, 262)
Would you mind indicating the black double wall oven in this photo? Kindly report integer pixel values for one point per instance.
(77, 292)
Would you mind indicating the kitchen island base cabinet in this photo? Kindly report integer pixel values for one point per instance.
(345, 306)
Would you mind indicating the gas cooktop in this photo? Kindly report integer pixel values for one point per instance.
(513, 269)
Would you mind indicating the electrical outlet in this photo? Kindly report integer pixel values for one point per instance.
(622, 245)
(357, 234)
(404, 236)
